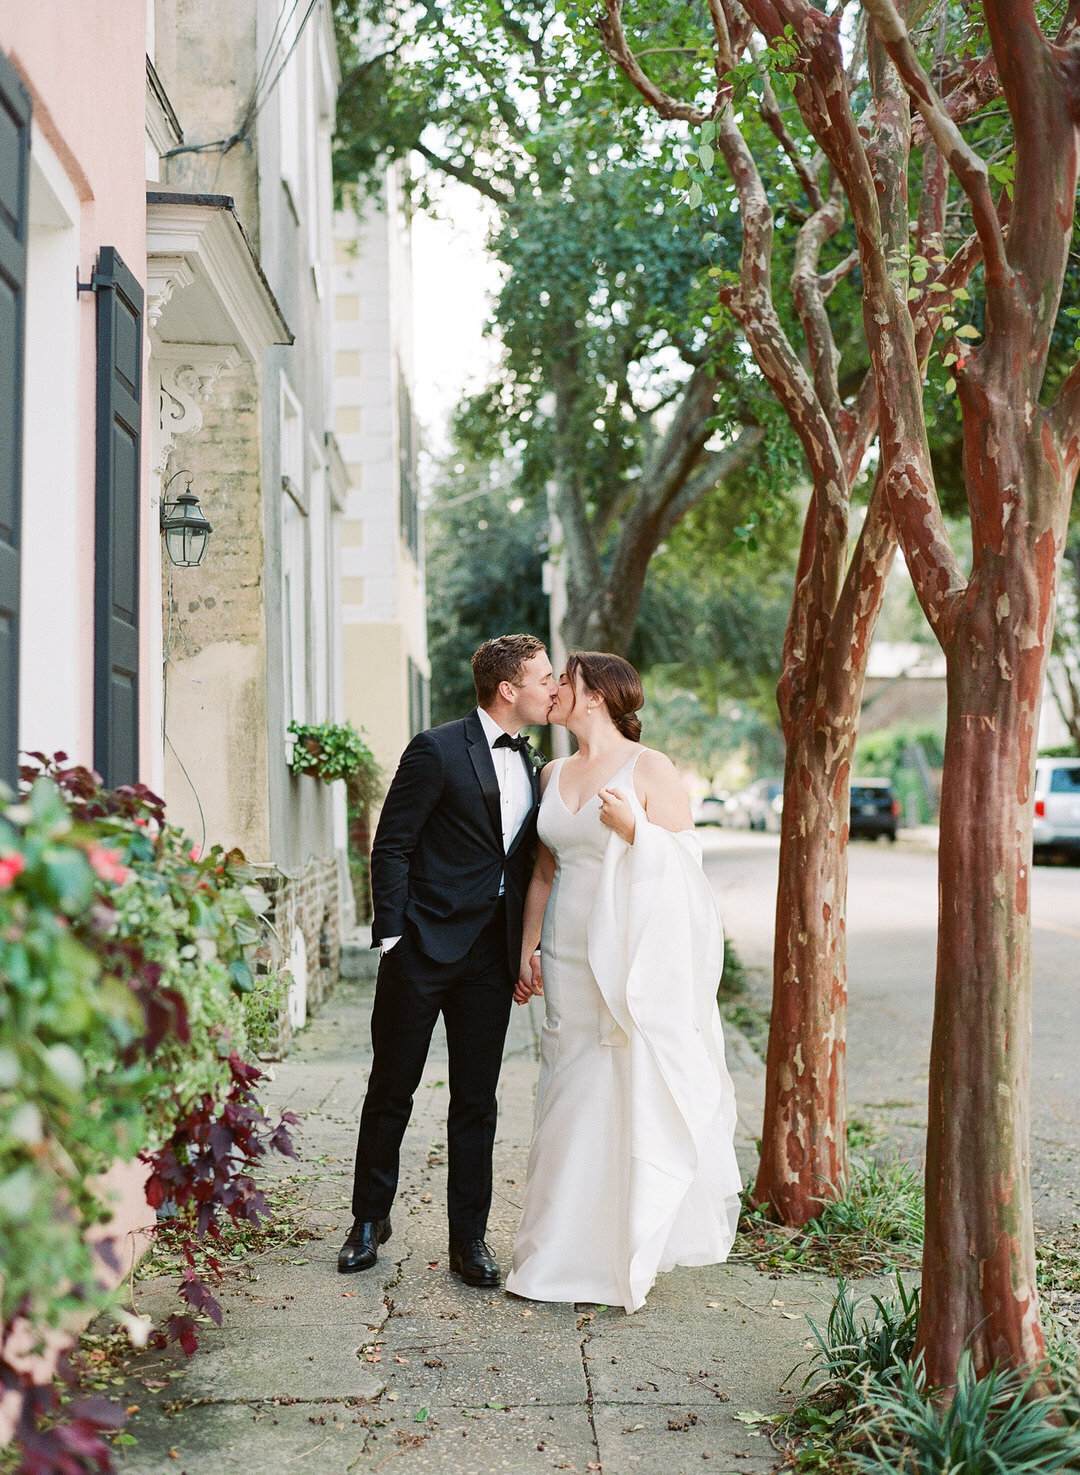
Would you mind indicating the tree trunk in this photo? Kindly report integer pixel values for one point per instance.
(804, 1148)
(978, 1286)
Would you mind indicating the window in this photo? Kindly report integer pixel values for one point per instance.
(418, 699)
(408, 477)
(294, 557)
(1065, 780)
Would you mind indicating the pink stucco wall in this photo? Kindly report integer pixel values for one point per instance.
(85, 68)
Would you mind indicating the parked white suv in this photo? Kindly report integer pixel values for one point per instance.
(1057, 807)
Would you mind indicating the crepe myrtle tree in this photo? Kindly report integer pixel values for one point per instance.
(830, 400)
(1021, 451)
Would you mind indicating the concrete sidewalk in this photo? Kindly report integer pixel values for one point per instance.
(314, 1371)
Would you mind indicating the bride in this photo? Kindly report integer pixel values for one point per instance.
(632, 1168)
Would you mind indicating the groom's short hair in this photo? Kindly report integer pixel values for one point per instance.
(501, 659)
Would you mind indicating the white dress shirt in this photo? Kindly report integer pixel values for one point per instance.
(515, 793)
(515, 790)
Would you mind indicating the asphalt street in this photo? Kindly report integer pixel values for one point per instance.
(892, 920)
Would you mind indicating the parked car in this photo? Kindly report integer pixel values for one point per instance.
(709, 810)
(759, 806)
(1056, 826)
(875, 809)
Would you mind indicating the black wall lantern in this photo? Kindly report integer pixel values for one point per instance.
(186, 529)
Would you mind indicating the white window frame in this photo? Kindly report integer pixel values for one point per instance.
(295, 602)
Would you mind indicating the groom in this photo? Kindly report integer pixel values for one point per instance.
(451, 861)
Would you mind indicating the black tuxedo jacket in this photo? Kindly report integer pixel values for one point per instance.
(438, 850)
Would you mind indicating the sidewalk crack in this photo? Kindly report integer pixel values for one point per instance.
(589, 1403)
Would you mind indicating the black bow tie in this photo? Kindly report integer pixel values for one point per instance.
(504, 740)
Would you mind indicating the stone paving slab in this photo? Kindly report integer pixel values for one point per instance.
(404, 1368)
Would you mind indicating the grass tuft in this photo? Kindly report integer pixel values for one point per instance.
(995, 1425)
(871, 1412)
(874, 1224)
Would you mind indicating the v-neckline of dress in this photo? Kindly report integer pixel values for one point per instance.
(573, 813)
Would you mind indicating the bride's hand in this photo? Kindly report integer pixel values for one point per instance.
(615, 812)
(530, 980)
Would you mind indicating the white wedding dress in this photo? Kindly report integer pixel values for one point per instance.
(632, 1169)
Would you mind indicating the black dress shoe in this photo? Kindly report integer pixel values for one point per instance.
(361, 1248)
(473, 1261)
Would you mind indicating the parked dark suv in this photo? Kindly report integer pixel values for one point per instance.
(875, 809)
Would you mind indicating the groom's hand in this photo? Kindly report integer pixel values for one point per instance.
(530, 980)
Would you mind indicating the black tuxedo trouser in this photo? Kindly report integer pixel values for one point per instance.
(474, 996)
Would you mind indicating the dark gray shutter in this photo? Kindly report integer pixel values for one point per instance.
(116, 578)
(14, 187)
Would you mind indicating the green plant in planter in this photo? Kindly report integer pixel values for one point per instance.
(330, 750)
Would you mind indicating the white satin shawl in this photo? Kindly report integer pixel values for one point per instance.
(656, 948)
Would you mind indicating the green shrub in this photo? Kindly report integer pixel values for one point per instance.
(1000, 1424)
(850, 1351)
(263, 1008)
(874, 1223)
(871, 1410)
(124, 957)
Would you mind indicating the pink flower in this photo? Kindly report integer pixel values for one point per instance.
(106, 864)
(11, 866)
(193, 853)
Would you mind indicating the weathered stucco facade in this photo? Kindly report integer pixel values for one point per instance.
(250, 638)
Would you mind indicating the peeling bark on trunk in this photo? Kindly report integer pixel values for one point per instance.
(979, 1252)
(803, 1148)
(804, 1137)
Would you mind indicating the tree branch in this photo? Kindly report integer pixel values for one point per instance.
(828, 280)
(809, 300)
(979, 86)
(859, 605)
(615, 44)
(1065, 415)
(970, 170)
(475, 181)
(807, 171)
(718, 466)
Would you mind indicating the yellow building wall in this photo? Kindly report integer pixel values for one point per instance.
(377, 688)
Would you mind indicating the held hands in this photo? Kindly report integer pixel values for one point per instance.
(616, 813)
(530, 979)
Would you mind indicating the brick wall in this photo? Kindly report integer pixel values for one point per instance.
(309, 903)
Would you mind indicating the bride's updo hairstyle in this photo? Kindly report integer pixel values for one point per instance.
(613, 679)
